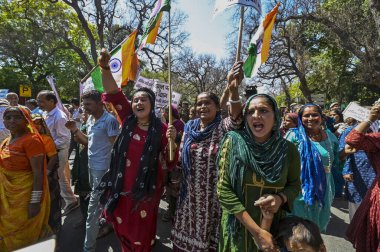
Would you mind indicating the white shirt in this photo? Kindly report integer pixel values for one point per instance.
(56, 120)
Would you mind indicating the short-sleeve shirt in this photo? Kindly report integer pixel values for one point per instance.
(15, 156)
(99, 144)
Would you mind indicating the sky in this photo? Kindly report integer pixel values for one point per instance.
(207, 34)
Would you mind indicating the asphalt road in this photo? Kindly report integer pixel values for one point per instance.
(71, 239)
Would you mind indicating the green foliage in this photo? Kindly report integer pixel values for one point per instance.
(32, 46)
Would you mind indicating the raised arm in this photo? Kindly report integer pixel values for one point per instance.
(234, 78)
(109, 83)
(112, 92)
(367, 142)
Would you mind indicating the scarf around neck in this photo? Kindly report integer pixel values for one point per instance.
(192, 133)
(266, 159)
(112, 182)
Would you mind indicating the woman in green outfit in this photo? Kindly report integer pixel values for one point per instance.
(258, 171)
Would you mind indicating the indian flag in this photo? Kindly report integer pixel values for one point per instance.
(258, 49)
(151, 29)
(123, 65)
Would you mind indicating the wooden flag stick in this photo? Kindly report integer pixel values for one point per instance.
(171, 142)
(240, 38)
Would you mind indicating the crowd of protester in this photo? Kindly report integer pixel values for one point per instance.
(239, 176)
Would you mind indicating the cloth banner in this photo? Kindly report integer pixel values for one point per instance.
(50, 79)
(221, 5)
(3, 93)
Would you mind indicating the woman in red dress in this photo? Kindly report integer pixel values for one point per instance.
(364, 229)
(132, 188)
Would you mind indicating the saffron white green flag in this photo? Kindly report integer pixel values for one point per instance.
(258, 49)
(221, 5)
(123, 65)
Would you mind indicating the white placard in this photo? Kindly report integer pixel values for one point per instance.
(161, 89)
(3, 93)
(144, 82)
(355, 111)
(319, 99)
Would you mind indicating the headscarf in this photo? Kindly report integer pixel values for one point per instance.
(293, 117)
(266, 159)
(193, 134)
(25, 113)
(145, 185)
(313, 176)
(44, 128)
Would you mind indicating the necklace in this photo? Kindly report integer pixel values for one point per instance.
(142, 124)
(328, 149)
(317, 136)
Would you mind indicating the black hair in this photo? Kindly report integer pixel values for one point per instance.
(339, 113)
(92, 95)
(302, 109)
(32, 102)
(49, 95)
(295, 229)
(75, 101)
(151, 95)
(212, 96)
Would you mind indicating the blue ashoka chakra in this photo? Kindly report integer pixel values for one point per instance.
(115, 65)
(259, 46)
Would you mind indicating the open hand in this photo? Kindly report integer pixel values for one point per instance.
(264, 240)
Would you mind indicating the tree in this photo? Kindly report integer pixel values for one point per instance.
(107, 23)
(325, 46)
(200, 73)
(32, 53)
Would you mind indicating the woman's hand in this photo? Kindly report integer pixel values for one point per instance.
(236, 75)
(171, 133)
(269, 203)
(349, 150)
(264, 240)
(348, 177)
(104, 59)
(33, 209)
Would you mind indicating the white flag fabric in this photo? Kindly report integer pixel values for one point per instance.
(50, 79)
(221, 5)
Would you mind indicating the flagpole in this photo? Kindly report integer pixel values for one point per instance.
(89, 73)
(240, 33)
(171, 142)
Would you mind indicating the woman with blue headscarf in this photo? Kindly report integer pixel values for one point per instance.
(259, 172)
(319, 157)
(196, 222)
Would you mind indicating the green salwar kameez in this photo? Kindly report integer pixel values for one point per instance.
(253, 188)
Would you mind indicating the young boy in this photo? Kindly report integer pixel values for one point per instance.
(298, 234)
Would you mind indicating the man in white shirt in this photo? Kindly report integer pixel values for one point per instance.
(56, 120)
(4, 133)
